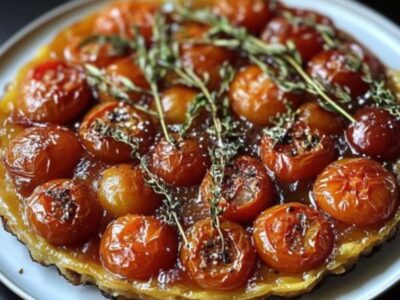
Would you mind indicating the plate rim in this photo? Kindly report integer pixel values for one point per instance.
(366, 12)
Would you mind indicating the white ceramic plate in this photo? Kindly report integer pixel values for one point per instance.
(371, 277)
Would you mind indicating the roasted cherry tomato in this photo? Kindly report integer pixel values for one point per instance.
(256, 98)
(125, 68)
(250, 14)
(183, 164)
(306, 38)
(357, 191)
(122, 190)
(375, 133)
(327, 122)
(54, 92)
(118, 116)
(247, 190)
(38, 155)
(122, 17)
(205, 60)
(376, 67)
(339, 68)
(302, 156)
(138, 247)
(213, 267)
(293, 238)
(64, 212)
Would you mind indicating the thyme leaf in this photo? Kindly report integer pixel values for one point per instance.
(384, 98)
(120, 46)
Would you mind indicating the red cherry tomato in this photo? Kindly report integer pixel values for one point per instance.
(375, 133)
(54, 92)
(38, 155)
(256, 98)
(293, 238)
(205, 263)
(357, 191)
(304, 154)
(247, 190)
(138, 247)
(64, 212)
(122, 117)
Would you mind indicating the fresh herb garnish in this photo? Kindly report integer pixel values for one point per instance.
(384, 98)
(119, 45)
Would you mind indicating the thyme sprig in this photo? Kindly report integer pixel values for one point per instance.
(384, 98)
(118, 44)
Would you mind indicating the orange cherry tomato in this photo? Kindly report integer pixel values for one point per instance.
(122, 117)
(304, 154)
(205, 263)
(357, 191)
(256, 98)
(138, 247)
(122, 190)
(184, 164)
(40, 154)
(375, 133)
(293, 238)
(250, 14)
(54, 92)
(247, 190)
(64, 212)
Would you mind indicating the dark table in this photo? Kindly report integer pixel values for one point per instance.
(14, 14)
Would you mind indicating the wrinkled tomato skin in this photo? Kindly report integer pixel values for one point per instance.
(293, 238)
(203, 262)
(54, 92)
(246, 175)
(250, 14)
(183, 164)
(316, 117)
(40, 154)
(122, 190)
(305, 164)
(256, 98)
(375, 133)
(126, 68)
(357, 192)
(138, 247)
(106, 148)
(64, 212)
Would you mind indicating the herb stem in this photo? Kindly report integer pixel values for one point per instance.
(160, 112)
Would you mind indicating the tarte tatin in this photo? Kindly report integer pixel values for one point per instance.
(229, 150)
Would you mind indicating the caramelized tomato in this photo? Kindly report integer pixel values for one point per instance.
(54, 92)
(256, 98)
(122, 190)
(247, 190)
(304, 154)
(118, 116)
(357, 191)
(250, 14)
(208, 266)
(293, 238)
(183, 164)
(138, 247)
(375, 133)
(64, 212)
(38, 155)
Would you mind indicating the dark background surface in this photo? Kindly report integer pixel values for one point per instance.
(14, 14)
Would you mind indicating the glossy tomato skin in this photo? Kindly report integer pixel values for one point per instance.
(293, 238)
(250, 14)
(40, 154)
(357, 192)
(64, 212)
(122, 190)
(375, 133)
(297, 159)
(122, 117)
(184, 164)
(138, 247)
(247, 190)
(54, 92)
(203, 260)
(256, 98)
